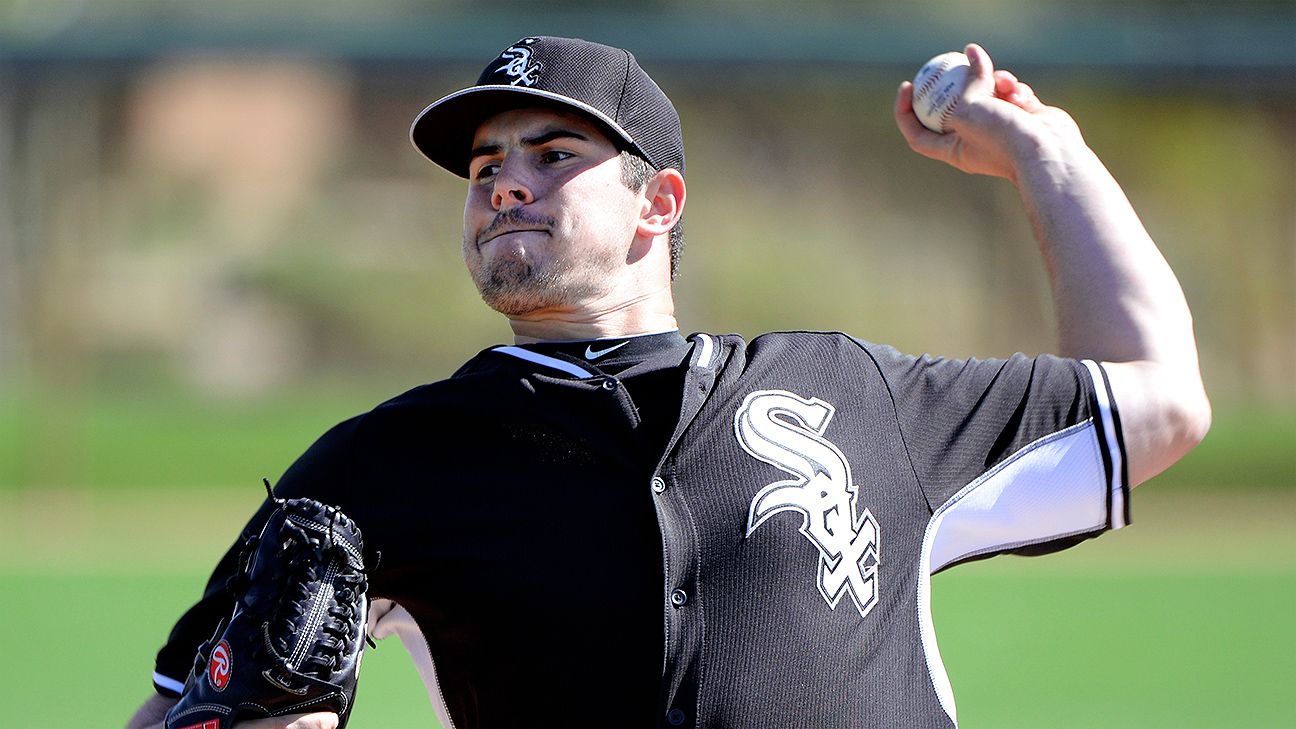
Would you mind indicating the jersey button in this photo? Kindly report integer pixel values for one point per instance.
(675, 717)
(658, 485)
(679, 598)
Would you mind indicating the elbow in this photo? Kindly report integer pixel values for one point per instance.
(1192, 419)
(1202, 420)
(1182, 425)
(1169, 415)
(1195, 405)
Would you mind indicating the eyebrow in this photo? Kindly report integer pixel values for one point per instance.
(536, 141)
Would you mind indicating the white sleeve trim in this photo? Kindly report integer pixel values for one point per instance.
(1113, 444)
(389, 618)
(1053, 488)
(168, 683)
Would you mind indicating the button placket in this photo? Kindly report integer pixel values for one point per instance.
(683, 617)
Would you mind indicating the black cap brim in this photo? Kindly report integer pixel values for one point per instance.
(444, 131)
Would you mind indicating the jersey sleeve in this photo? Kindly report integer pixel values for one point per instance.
(1021, 455)
(318, 473)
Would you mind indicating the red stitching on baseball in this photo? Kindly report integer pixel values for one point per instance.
(949, 112)
(934, 77)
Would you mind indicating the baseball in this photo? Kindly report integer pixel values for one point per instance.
(937, 89)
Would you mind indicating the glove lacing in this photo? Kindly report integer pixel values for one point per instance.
(303, 559)
(306, 560)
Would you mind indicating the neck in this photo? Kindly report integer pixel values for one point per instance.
(648, 314)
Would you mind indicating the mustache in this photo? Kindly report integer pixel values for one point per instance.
(514, 219)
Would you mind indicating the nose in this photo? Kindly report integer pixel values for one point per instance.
(511, 190)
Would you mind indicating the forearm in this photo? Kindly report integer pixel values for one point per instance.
(1117, 301)
(1116, 298)
(152, 713)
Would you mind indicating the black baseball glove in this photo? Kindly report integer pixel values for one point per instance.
(295, 639)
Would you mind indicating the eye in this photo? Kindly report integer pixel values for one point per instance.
(485, 172)
(555, 155)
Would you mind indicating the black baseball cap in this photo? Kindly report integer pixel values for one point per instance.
(604, 83)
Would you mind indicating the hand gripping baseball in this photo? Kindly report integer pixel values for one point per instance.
(294, 641)
(997, 125)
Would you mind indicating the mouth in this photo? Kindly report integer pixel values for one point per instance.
(501, 233)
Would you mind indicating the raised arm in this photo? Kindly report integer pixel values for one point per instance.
(1117, 300)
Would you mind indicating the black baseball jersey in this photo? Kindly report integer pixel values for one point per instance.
(701, 532)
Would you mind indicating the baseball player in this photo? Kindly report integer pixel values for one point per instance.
(607, 523)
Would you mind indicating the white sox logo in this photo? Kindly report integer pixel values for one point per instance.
(786, 431)
(518, 65)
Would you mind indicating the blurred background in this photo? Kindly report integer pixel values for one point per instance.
(216, 241)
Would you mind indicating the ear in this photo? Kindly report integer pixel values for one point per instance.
(663, 203)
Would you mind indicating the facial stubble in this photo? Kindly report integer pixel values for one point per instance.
(515, 283)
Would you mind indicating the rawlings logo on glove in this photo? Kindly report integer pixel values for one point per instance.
(294, 641)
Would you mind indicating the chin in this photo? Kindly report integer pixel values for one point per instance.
(513, 287)
(547, 291)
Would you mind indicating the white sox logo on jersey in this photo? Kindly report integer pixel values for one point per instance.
(787, 431)
(518, 65)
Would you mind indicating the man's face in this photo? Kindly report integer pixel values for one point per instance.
(548, 224)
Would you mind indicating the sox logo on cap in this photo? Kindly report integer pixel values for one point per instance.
(519, 66)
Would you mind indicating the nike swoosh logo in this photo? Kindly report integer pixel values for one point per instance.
(591, 353)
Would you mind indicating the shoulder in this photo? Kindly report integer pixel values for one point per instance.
(480, 376)
(405, 423)
(820, 339)
(847, 354)
(819, 348)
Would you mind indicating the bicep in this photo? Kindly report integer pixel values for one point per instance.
(1164, 414)
(1019, 455)
(959, 418)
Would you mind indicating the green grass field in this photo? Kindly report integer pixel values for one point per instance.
(1183, 620)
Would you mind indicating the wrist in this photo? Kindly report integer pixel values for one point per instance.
(1050, 155)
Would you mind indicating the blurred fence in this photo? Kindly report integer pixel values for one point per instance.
(235, 210)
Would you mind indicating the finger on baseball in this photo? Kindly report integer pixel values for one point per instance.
(921, 139)
(905, 118)
(1024, 96)
(1005, 83)
(904, 98)
(1010, 88)
(981, 76)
